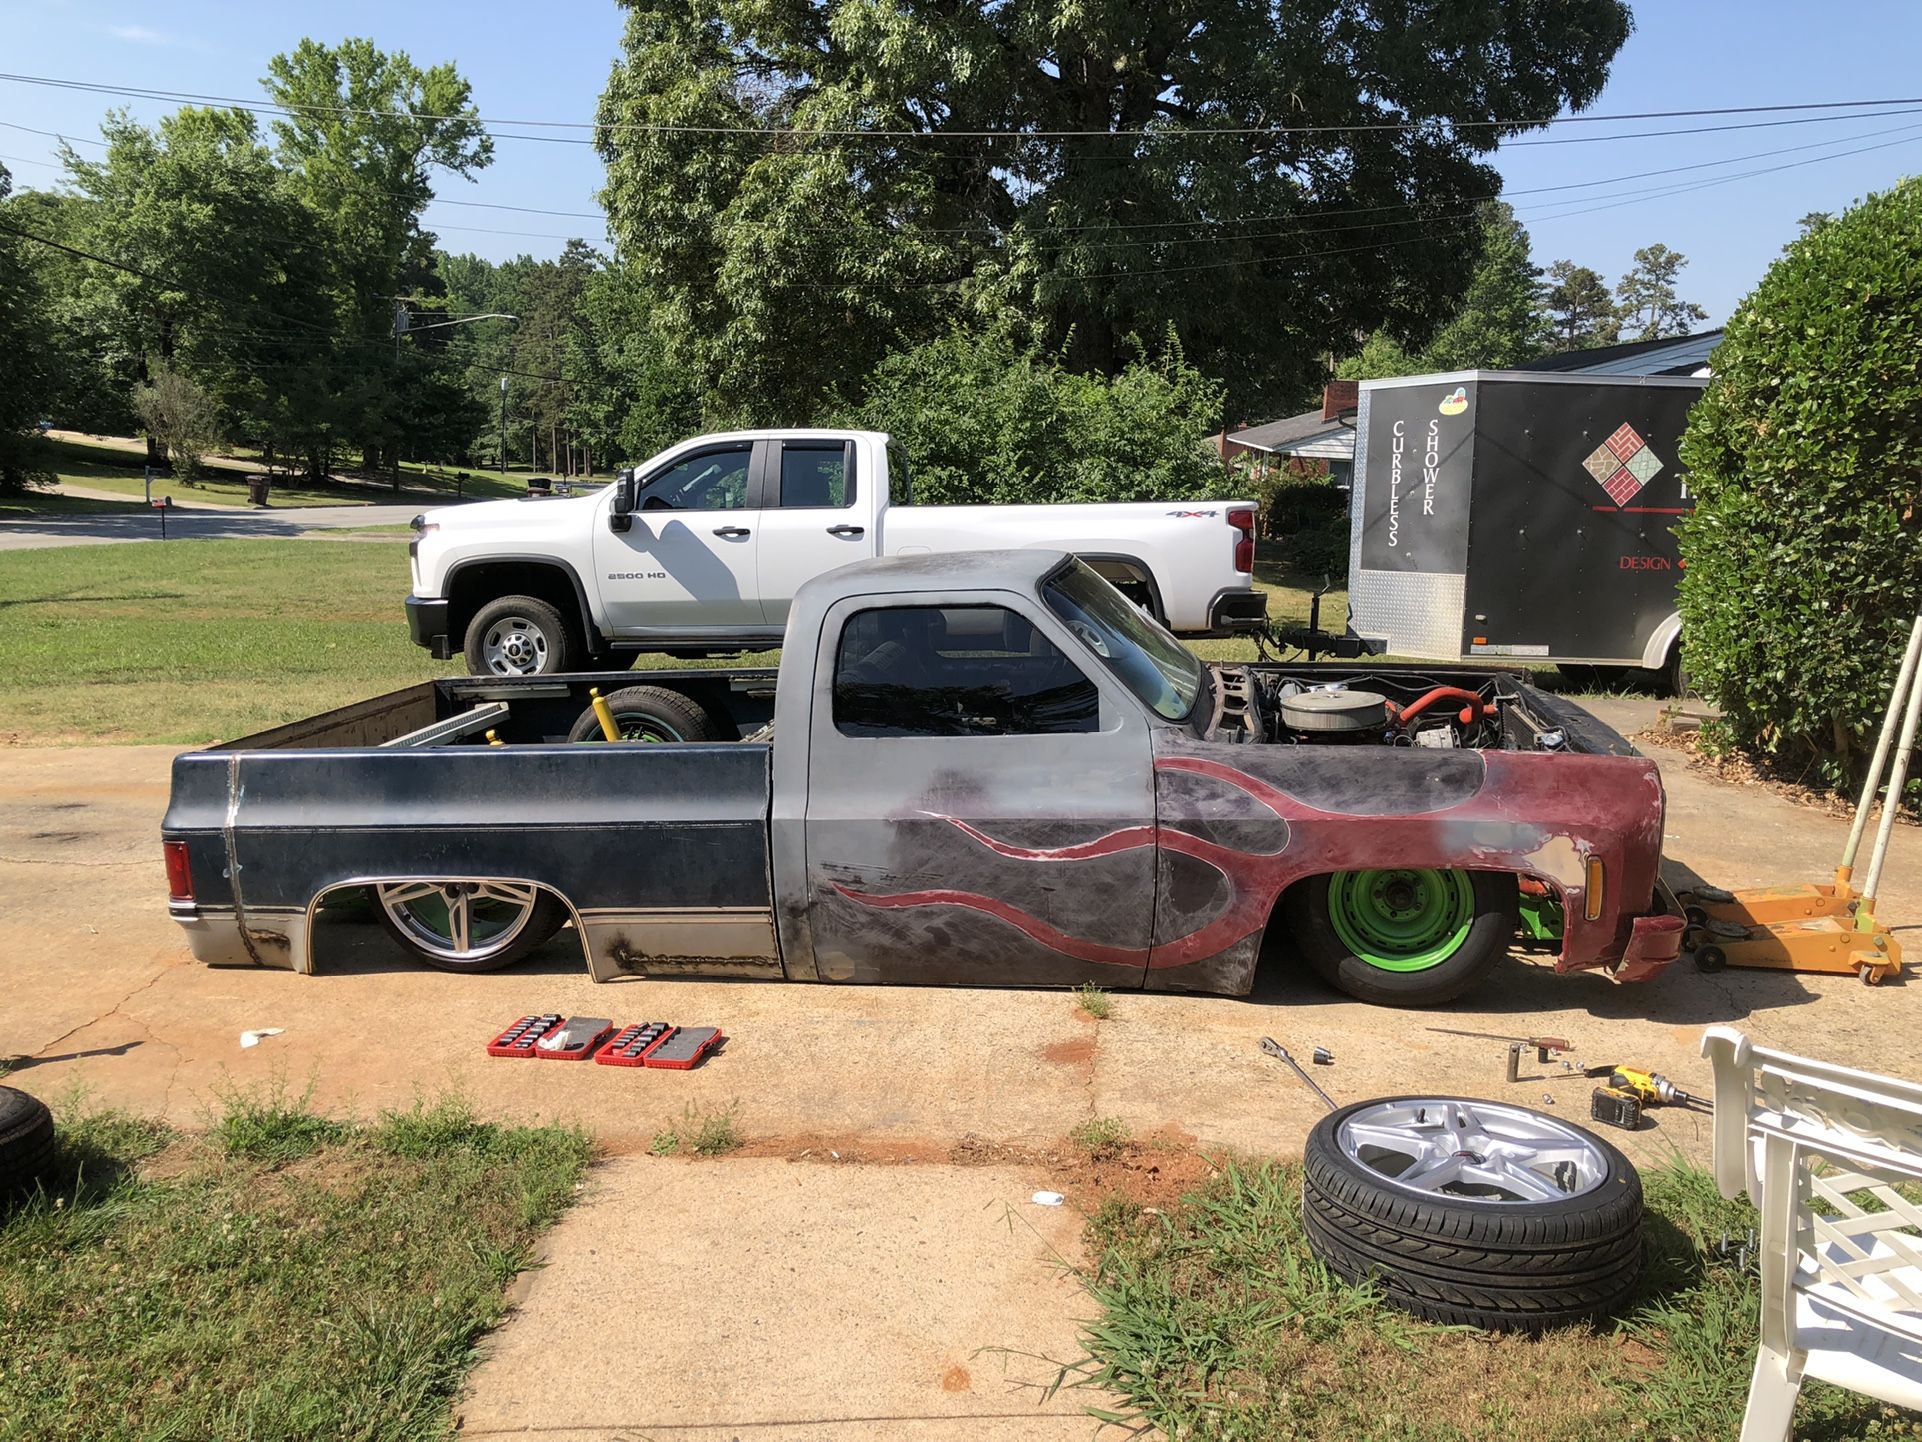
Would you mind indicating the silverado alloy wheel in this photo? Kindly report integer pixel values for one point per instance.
(468, 925)
(1474, 1212)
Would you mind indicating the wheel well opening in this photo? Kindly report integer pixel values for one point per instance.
(1132, 578)
(474, 586)
(358, 902)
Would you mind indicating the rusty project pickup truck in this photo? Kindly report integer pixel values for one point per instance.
(977, 768)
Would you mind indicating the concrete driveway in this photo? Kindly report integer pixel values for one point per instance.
(901, 1271)
(198, 524)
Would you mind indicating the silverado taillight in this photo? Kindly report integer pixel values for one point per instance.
(1243, 521)
(180, 876)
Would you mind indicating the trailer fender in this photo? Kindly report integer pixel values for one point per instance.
(1664, 636)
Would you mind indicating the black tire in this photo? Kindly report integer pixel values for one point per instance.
(1710, 959)
(1489, 936)
(548, 916)
(26, 1142)
(1500, 1265)
(650, 713)
(491, 641)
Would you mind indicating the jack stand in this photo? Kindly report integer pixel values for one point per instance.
(1825, 927)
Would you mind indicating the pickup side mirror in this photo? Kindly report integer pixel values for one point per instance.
(621, 509)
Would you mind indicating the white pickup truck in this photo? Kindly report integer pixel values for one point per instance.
(701, 550)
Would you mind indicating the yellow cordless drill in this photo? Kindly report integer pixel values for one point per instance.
(1621, 1102)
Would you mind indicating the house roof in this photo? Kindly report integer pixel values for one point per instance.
(1287, 434)
(1675, 356)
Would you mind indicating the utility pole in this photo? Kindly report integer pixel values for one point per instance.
(503, 427)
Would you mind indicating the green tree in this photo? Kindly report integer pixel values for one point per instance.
(986, 419)
(29, 343)
(1804, 550)
(180, 416)
(365, 135)
(1650, 307)
(1499, 323)
(626, 398)
(805, 189)
(1581, 312)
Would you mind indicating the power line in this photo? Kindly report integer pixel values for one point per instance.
(885, 133)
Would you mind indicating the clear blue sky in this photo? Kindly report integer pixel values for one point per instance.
(549, 61)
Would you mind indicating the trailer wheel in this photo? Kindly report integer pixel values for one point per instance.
(26, 1142)
(649, 713)
(1403, 936)
(518, 636)
(1474, 1212)
(468, 925)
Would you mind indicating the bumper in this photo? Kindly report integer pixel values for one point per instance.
(427, 625)
(1655, 942)
(1238, 611)
(215, 938)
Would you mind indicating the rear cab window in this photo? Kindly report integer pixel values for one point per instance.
(816, 475)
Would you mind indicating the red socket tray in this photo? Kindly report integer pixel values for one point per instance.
(683, 1047)
(519, 1039)
(631, 1044)
(586, 1050)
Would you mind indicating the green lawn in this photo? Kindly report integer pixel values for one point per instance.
(46, 503)
(197, 641)
(1215, 1321)
(285, 1276)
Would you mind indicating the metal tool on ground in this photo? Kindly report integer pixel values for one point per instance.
(1276, 1049)
(1323, 1057)
(1652, 1089)
(1615, 1107)
(1827, 926)
(1546, 1047)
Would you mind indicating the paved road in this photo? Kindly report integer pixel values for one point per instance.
(36, 532)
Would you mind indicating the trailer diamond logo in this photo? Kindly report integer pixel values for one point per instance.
(1622, 464)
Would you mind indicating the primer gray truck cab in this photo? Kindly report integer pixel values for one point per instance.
(982, 768)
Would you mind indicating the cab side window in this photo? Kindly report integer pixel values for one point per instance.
(956, 671)
(816, 476)
(711, 481)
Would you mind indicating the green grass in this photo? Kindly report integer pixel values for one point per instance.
(700, 1133)
(49, 503)
(1216, 1322)
(225, 1295)
(1095, 1001)
(1102, 1138)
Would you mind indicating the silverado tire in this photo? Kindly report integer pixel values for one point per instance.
(1501, 1264)
(649, 713)
(1319, 911)
(519, 636)
(26, 1142)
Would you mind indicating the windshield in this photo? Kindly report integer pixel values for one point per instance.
(1155, 666)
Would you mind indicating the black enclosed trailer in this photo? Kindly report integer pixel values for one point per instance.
(1504, 513)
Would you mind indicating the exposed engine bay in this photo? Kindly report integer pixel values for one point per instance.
(1273, 704)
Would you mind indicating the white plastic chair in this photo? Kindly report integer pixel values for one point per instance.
(1842, 1288)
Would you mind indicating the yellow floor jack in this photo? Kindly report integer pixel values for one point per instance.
(1826, 927)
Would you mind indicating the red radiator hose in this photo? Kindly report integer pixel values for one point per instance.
(1476, 706)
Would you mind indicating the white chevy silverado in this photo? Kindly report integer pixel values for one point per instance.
(701, 550)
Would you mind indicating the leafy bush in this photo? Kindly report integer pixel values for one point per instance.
(984, 420)
(1804, 554)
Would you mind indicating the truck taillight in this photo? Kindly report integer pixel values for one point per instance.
(180, 876)
(1243, 520)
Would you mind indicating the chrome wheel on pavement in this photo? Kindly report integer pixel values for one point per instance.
(1472, 1151)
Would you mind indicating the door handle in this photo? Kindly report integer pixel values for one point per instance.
(847, 530)
(730, 530)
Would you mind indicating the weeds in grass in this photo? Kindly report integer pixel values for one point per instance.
(1095, 1001)
(1102, 1138)
(265, 1124)
(702, 1133)
(235, 1296)
(1216, 1322)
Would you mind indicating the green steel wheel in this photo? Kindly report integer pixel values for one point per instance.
(649, 713)
(1403, 936)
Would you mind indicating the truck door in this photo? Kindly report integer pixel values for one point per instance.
(687, 562)
(980, 809)
(814, 518)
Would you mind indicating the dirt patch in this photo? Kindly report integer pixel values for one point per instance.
(842, 1148)
(956, 1379)
(1076, 1052)
(1152, 1171)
